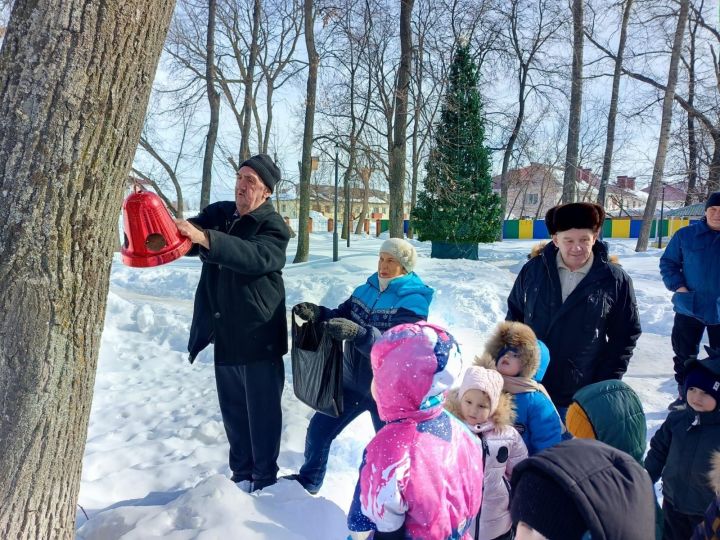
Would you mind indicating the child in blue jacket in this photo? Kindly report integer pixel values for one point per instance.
(522, 359)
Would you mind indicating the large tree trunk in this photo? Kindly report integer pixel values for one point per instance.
(214, 102)
(665, 125)
(365, 212)
(249, 82)
(303, 246)
(75, 77)
(612, 113)
(397, 155)
(573, 140)
(692, 172)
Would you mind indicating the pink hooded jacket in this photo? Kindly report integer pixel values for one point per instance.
(423, 469)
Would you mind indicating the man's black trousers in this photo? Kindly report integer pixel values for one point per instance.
(249, 398)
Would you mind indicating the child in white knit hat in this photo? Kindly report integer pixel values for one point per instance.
(488, 412)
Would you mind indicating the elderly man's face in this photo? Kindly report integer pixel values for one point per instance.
(575, 246)
(712, 215)
(250, 191)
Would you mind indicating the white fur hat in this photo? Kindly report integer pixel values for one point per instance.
(485, 380)
(402, 250)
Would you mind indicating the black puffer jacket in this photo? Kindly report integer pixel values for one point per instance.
(240, 299)
(680, 452)
(611, 491)
(591, 336)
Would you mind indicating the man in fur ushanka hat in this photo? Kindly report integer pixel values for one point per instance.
(580, 304)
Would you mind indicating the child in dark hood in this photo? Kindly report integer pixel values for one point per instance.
(515, 352)
(680, 451)
(581, 489)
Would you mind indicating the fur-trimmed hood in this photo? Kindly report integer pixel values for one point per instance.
(521, 337)
(503, 416)
(714, 473)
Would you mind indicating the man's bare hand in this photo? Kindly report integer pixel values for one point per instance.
(682, 289)
(194, 233)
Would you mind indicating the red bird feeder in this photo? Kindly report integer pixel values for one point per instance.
(151, 236)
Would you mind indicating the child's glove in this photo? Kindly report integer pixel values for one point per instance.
(307, 311)
(344, 329)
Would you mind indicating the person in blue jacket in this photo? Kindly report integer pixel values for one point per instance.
(690, 267)
(522, 360)
(393, 295)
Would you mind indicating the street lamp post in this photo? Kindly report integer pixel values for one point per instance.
(335, 232)
(662, 208)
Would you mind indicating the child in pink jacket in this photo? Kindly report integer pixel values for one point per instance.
(488, 412)
(421, 476)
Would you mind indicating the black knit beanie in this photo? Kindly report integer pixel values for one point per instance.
(713, 200)
(540, 503)
(266, 169)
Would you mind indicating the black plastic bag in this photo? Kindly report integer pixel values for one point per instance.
(317, 362)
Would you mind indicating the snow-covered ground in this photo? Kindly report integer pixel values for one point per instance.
(155, 463)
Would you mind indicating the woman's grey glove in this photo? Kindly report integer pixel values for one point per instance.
(344, 329)
(307, 311)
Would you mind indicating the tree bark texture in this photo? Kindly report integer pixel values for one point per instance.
(75, 78)
(612, 112)
(303, 246)
(398, 154)
(214, 102)
(573, 140)
(665, 125)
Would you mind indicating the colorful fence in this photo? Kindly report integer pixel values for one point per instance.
(612, 228)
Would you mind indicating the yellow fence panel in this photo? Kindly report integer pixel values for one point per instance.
(526, 228)
(621, 228)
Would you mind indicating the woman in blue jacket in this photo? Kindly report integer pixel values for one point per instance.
(393, 295)
(690, 267)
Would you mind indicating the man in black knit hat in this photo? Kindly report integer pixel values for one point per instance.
(240, 307)
(690, 267)
(579, 303)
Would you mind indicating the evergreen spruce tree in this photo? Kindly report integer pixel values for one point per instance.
(458, 205)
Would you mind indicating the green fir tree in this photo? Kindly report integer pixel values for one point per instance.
(458, 204)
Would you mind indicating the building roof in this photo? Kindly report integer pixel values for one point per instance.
(694, 210)
(673, 192)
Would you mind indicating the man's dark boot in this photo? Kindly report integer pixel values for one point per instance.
(679, 404)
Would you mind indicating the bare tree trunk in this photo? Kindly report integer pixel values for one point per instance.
(249, 78)
(573, 140)
(303, 246)
(69, 127)
(665, 125)
(214, 102)
(398, 154)
(364, 213)
(690, 194)
(612, 113)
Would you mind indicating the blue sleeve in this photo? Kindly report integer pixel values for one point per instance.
(671, 264)
(543, 423)
(343, 310)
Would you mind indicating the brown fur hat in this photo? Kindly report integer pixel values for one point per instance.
(581, 215)
(517, 335)
(714, 473)
(504, 414)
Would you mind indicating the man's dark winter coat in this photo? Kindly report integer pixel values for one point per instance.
(591, 336)
(680, 452)
(240, 299)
